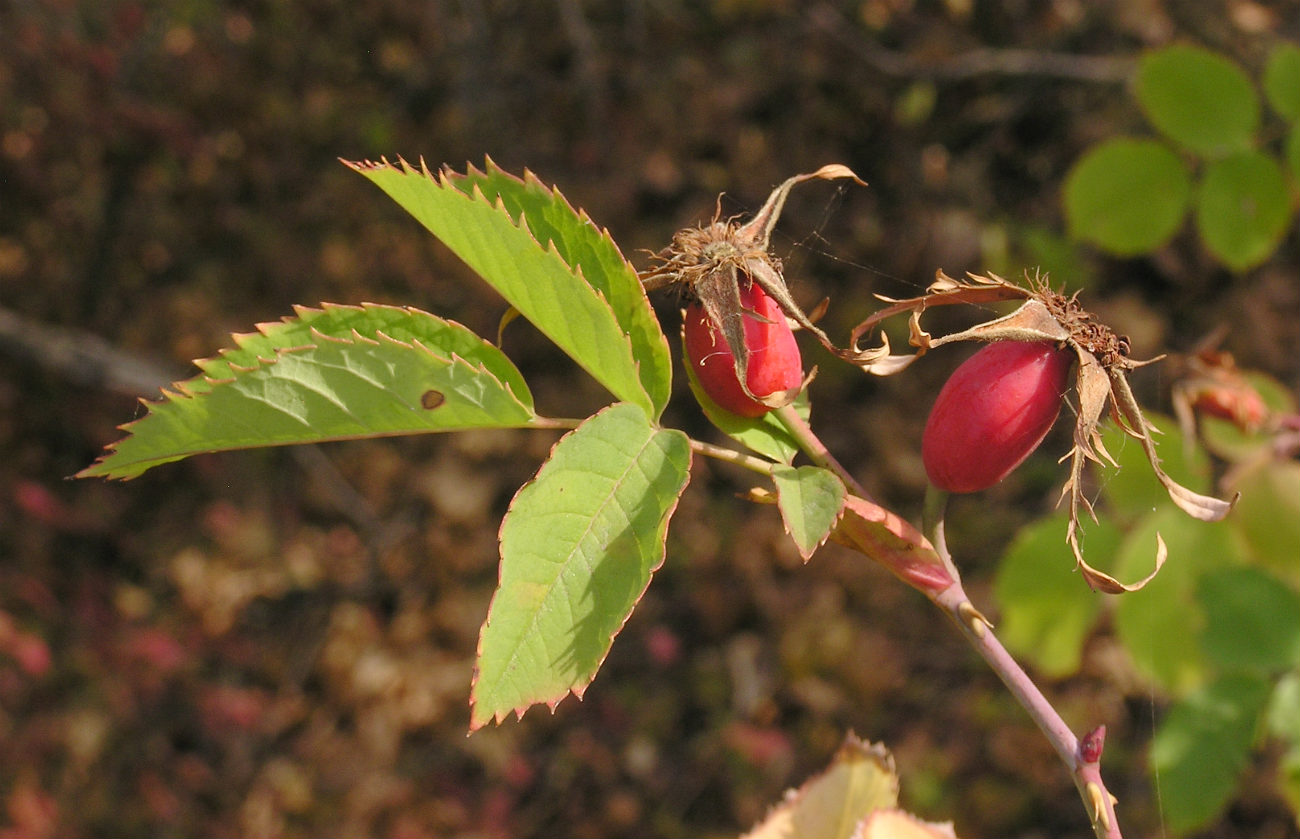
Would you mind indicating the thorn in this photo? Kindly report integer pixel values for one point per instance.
(1097, 802)
(972, 618)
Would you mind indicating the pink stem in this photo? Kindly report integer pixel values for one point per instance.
(1081, 758)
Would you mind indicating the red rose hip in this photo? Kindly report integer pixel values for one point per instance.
(993, 412)
(774, 364)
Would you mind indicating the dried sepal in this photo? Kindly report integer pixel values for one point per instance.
(1100, 381)
(711, 263)
(944, 291)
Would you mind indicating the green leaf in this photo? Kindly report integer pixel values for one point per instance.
(1284, 709)
(583, 246)
(1047, 610)
(1199, 99)
(1282, 80)
(332, 320)
(536, 281)
(810, 499)
(765, 435)
(1202, 746)
(1243, 208)
(578, 546)
(328, 374)
(1268, 515)
(1283, 717)
(1132, 490)
(1127, 196)
(1293, 150)
(1162, 624)
(1283, 720)
(1252, 621)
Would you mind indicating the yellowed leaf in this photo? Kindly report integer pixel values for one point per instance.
(860, 781)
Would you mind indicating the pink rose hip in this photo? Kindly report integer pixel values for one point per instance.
(993, 412)
(774, 363)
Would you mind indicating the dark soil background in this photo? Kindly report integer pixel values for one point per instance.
(280, 642)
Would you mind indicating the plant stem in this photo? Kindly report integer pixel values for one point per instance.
(1082, 764)
(754, 464)
(816, 449)
(1097, 800)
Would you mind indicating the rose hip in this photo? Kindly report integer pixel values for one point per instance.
(774, 364)
(993, 412)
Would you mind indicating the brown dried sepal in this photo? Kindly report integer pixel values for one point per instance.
(709, 264)
(1101, 378)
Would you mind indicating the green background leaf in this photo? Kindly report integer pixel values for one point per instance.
(578, 547)
(1268, 516)
(1047, 610)
(1284, 709)
(1252, 620)
(1284, 723)
(1202, 746)
(536, 281)
(1127, 196)
(277, 390)
(1198, 98)
(1161, 625)
(810, 499)
(1282, 80)
(1131, 491)
(1243, 208)
(1293, 151)
(582, 245)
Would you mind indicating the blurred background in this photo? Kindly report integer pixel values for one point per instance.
(280, 642)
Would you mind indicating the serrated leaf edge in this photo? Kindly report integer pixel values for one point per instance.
(182, 390)
(443, 180)
(578, 691)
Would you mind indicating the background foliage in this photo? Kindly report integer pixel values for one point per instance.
(280, 642)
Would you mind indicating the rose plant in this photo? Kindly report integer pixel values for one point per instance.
(581, 541)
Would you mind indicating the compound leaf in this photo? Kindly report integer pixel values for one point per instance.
(534, 279)
(328, 374)
(578, 546)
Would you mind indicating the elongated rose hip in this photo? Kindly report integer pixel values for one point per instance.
(993, 412)
(774, 363)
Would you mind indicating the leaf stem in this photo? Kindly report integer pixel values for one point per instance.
(754, 464)
(812, 446)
